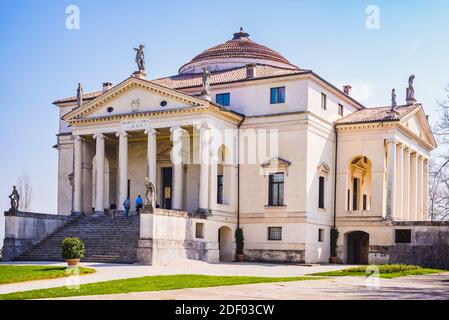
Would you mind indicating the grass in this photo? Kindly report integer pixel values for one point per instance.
(150, 283)
(12, 274)
(387, 271)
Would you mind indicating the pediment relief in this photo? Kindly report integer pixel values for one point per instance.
(134, 96)
(417, 124)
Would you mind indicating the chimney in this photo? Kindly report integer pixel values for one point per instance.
(107, 86)
(347, 89)
(250, 70)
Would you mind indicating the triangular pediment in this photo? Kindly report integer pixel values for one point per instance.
(134, 96)
(416, 123)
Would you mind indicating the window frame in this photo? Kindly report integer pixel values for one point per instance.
(404, 238)
(320, 235)
(199, 235)
(228, 94)
(275, 99)
(340, 110)
(270, 235)
(220, 186)
(323, 101)
(280, 186)
(321, 192)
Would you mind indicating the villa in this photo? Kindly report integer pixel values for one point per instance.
(240, 138)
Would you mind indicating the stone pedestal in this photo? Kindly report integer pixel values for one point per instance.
(145, 251)
(139, 74)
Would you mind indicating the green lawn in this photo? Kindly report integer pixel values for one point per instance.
(11, 274)
(385, 271)
(150, 283)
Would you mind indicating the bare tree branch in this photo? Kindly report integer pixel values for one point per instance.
(25, 192)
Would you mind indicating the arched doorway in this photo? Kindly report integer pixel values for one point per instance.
(225, 244)
(357, 247)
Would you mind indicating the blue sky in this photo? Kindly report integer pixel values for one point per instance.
(41, 60)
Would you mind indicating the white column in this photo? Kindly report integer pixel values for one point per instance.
(178, 174)
(391, 180)
(420, 188)
(152, 155)
(414, 188)
(400, 182)
(426, 190)
(406, 186)
(123, 168)
(204, 168)
(77, 174)
(99, 156)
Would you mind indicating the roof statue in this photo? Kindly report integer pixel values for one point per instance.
(410, 90)
(393, 101)
(206, 82)
(140, 58)
(79, 95)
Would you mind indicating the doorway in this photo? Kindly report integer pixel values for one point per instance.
(357, 247)
(225, 244)
(167, 174)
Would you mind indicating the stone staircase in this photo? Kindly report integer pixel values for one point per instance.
(104, 240)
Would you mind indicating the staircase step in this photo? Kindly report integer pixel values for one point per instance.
(104, 240)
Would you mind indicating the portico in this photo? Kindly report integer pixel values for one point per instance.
(173, 147)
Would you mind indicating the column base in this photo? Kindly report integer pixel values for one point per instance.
(98, 213)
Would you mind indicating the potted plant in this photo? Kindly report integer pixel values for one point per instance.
(334, 237)
(239, 239)
(72, 251)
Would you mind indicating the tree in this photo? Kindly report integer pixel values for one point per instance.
(439, 166)
(25, 192)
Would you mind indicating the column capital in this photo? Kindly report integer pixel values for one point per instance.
(77, 138)
(121, 133)
(99, 136)
(202, 125)
(151, 131)
(391, 140)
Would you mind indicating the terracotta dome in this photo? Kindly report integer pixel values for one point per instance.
(239, 51)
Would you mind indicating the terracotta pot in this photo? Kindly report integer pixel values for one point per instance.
(333, 259)
(72, 263)
(240, 257)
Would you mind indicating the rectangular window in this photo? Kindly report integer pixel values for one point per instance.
(403, 235)
(274, 233)
(365, 201)
(340, 109)
(276, 189)
(277, 95)
(223, 99)
(220, 189)
(323, 101)
(199, 230)
(320, 235)
(355, 194)
(321, 193)
(349, 200)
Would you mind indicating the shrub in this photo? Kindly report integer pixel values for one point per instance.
(72, 248)
(388, 268)
(240, 240)
(334, 237)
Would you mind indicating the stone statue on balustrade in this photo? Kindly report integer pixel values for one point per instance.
(14, 198)
(150, 197)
